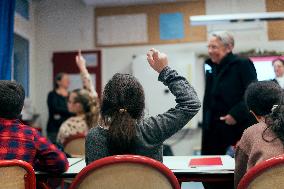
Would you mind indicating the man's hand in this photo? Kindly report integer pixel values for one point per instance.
(229, 120)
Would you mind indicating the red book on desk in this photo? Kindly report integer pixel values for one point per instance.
(205, 161)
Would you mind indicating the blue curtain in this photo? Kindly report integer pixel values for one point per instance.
(7, 11)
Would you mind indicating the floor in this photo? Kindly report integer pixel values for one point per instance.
(187, 142)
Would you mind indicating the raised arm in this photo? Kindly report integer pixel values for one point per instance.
(158, 128)
(86, 78)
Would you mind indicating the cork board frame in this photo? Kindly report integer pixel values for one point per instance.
(191, 33)
(275, 28)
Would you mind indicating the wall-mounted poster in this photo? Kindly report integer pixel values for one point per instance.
(171, 26)
(122, 29)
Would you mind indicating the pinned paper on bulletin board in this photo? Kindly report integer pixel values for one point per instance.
(171, 26)
(161, 23)
(122, 29)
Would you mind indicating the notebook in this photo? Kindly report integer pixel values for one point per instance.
(205, 161)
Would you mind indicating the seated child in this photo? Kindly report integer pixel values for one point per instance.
(266, 138)
(19, 141)
(124, 130)
(84, 103)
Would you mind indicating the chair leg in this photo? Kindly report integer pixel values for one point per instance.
(41, 185)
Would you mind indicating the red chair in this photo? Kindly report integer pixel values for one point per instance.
(266, 174)
(17, 174)
(125, 172)
(75, 145)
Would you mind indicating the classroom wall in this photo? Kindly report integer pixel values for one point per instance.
(120, 60)
(60, 26)
(26, 29)
(56, 26)
(69, 25)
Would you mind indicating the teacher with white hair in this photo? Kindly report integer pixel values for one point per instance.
(225, 115)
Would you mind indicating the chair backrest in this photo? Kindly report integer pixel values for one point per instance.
(125, 172)
(266, 174)
(16, 174)
(75, 145)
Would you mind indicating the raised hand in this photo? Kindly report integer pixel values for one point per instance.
(157, 60)
(80, 61)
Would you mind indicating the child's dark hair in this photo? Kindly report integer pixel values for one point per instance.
(265, 98)
(275, 121)
(122, 106)
(12, 96)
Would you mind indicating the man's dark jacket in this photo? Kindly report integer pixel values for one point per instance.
(224, 94)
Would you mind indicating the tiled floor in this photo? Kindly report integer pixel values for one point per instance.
(187, 142)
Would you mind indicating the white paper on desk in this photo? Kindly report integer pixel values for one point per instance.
(176, 162)
(72, 161)
(182, 163)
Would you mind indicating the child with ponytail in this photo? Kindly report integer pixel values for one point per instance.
(123, 128)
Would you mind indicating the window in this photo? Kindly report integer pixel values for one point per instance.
(20, 67)
(22, 8)
(264, 68)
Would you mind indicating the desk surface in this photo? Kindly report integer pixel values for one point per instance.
(73, 161)
(70, 173)
(181, 164)
(178, 164)
(216, 173)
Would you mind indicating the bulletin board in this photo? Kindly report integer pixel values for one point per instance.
(275, 28)
(165, 23)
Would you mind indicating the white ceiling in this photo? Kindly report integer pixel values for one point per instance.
(106, 3)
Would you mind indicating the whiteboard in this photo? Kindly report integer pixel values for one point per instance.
(122, 29)
(157, 97)
(76, 81)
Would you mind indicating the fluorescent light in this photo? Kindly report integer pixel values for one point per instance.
(231, 18)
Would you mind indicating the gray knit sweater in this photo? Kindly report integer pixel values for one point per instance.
(151, 132)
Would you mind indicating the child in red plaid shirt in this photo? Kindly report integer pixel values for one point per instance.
(19, 141)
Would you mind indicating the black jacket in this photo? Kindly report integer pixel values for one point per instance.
(225, 88)
(58, 111)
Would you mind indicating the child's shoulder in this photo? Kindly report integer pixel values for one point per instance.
(254, 130)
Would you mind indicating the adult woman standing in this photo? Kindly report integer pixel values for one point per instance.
(57, 105)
